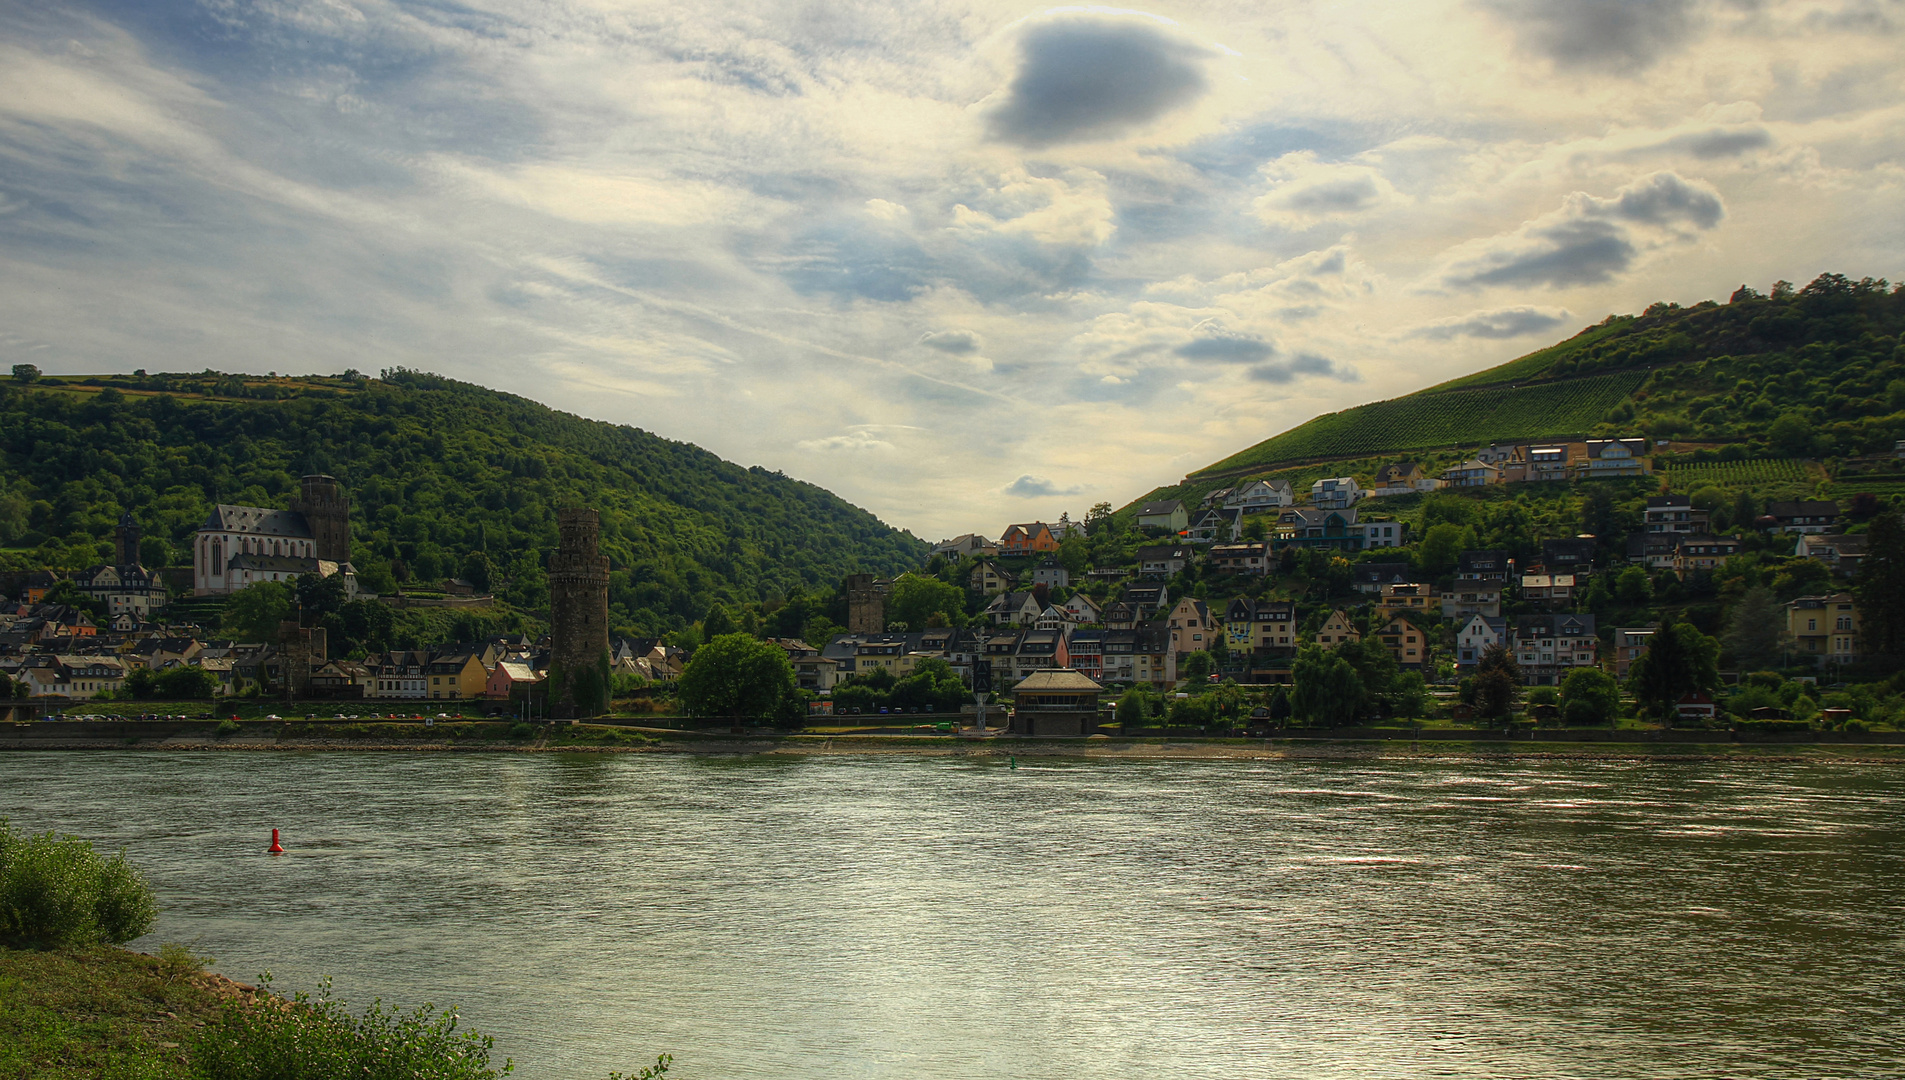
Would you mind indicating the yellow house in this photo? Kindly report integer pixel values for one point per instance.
(457, 676)
(1410, 596)
(1824, 628)
(1408, 644)
(1337, 629)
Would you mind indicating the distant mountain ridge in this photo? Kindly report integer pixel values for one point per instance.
(445, 479)
(1712, 372)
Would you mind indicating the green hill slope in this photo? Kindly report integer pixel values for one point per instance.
(445, 479)
(1827, 356)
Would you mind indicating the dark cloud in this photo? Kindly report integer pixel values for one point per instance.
(957, 342)
(1609, 35)
(1500, 323)
(1721, 142)
(1029, 486)
(1227, 348)
(1083, 79)
(1590, 240)
(1303, 364)
(1343, 196)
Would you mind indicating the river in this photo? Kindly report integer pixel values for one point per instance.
(940, 918)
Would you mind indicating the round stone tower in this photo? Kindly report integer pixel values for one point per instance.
(328, 511)
(579, 618)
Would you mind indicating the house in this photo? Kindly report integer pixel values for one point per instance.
(1052, 574)
(82, 678)
(1335, 493)
(1699, 553)
(1551, 590)
(1805, 516)
(1383, 534)
(239, 546)
(1479, 634)
(1630, 644)
(1653, 551)
(1836, 550)
(1370, 577)
(1120, 655)
(1824, 629)
(1013, 609)
(988, 580)
(1027, 539)
(1306, 526)
(1146, 599)
(1692, 708)
(1470, 598)
(1402, 478)
(37, 584)
(1039, 650)
(1499, 454)
(125, 589)
(1253, 558)
(1217, 496)
(1410, 596)
(457, 675)
(1260, 626)
(1608, 458)
(1407, 643)
(510, 678)
(1257, 496)
(1121, 616)
(1484, 564)
(1674, 514)
(1155, 662)
(1087, 649)
(1163, 560)
(1549, 462)
(1191, 626)
(1083, 608)
(1549, 646)
(1211, 526)
(1472, 473)
(399, 674)
(1167, 514)
(967, 544)
(1573, 555)
(342, 680)
(1337, 629)
(1058, 703)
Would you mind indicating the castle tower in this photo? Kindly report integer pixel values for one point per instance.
(579, 618)
(328, 511)
(866, 604)
(125, 541)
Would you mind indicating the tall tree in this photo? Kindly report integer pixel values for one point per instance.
(1756, 630)
(735, 675)
(1327, 689)
(1679, 660)
(1497, 683)
(1881, 586)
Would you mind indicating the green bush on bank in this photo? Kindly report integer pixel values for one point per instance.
(57, 892)
(318, 1039)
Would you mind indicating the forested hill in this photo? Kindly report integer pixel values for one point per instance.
(1824, 359)
(445, 479)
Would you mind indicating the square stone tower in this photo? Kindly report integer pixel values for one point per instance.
(866, 604)
(327, 510)
(579, 618)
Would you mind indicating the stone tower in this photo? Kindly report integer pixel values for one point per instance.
(328, 511)
(579, 618)
(866, 604)
(125, 542)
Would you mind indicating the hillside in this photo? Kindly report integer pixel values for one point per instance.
(1827, 356)
(445, 479)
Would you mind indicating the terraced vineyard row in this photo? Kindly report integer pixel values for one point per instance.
(1759, 472)
(1456, 418)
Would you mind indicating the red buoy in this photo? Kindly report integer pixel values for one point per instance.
(275, 848)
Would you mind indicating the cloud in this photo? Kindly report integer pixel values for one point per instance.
(957, 342)
(1305, 191)
(1303, 364)
(1589, 240)
(1226, 347)
(1607, 35)
(1499, 323)
(1081, 79)
(1029, 486)
(849, 442)
(1072, 211)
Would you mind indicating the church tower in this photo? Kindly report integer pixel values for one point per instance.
(579, 618)
(125, 541)
(328, 511)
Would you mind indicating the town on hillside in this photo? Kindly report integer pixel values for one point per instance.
(1534, 580)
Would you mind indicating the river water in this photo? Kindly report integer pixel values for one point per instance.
(940, 918)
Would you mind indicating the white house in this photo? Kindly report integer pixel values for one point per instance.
(1478, 635)
(1335, 493)
(1257, 496)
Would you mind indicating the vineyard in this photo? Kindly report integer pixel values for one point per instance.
(1757, 473)
(1454, 418)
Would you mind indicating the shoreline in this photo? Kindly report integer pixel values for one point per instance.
(404, 738)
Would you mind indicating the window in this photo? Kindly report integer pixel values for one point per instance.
(1812, 624)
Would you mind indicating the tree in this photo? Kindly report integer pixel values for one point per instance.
(718, 623)
(1801, 577)
(185, 681)
(1679, 660)
(1197, 666)
(1441, 545)
(1327, 693)
(25, 373)
(1131, 707)
(1881, 585)
(914, 599)
(738, 676)
(1599, 514)
(254, 612)
(1791, 435)
(1497, 683)
(320, 596)
(1632, 587)
(1756, 630)
(141, 683)
(1589, 698)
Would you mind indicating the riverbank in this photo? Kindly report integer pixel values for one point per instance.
(1357, 744)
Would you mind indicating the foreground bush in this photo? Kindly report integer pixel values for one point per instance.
(57, 892)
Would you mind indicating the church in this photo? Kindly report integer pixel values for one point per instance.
(243, 545)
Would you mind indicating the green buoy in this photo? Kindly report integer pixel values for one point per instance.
(1015, 761)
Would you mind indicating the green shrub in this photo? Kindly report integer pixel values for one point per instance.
(318, 1039)
(521, 730)
(57, 892)
(227, 726)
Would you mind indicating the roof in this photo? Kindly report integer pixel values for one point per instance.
(1665, 502)
(1057, 681)
(1803, 508)
(1165, 506)
(285, 564)
(257, 519)
(517, 672)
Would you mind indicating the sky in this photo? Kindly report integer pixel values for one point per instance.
(964, 263)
